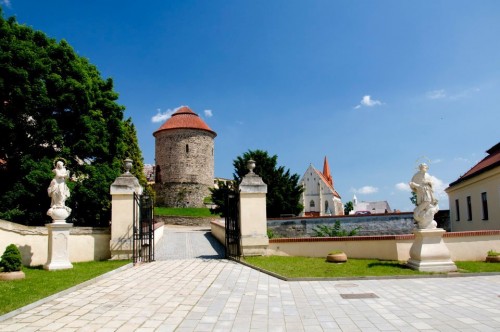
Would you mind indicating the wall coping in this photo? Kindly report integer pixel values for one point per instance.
(381, 237)
(472, 233)
(218, 223)
(9, 226)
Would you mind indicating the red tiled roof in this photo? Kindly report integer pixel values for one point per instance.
(335, 193)
(489, 162)
(184, 117)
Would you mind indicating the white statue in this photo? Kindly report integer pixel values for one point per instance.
(59, 192)
(427, 204)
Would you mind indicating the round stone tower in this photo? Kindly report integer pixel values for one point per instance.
(184, 151)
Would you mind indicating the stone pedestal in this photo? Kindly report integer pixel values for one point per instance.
(58, 255)
(253, 218)
(429, 253)
(122, 215)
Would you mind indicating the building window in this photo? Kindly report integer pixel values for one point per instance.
(484, 200)
(158, 174)
(457, 209)
(311, 203)
(187, 148)
(469, 209)
(326, 207)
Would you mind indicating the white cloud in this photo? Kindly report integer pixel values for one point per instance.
(439, 186)
(442, 94)
(5, 2)
(368, 102)
(402, 186)
(163, 116)
(366, 190)
(436, 94)
(208, 113)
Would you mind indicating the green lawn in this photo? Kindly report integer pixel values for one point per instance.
(307, 267)
(40, 283)
(183, 212)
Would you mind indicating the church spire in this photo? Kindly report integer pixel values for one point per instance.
(326, 172)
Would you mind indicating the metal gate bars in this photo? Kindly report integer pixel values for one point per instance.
(233, 234)
(143, 230)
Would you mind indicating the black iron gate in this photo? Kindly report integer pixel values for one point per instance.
(233, 234)
(143, 233)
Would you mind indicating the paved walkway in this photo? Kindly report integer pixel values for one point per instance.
(201, 294)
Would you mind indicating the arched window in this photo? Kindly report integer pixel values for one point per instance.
(187, 148)
(326, 207)
(311, 203)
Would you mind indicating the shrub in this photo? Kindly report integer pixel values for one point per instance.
(493, 253)
(334, 230)
(11, 259)
(270, 233)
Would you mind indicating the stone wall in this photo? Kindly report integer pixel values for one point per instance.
(181, 194)
(382, 224)
(85, 243)
(463, 246)
(185, 221)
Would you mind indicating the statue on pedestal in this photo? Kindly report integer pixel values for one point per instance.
(58, 192)
(427, 204)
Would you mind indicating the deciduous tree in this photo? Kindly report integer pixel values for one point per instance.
(55, 104)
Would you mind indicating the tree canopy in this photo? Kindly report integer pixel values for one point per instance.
(283, 188)
(348, 207)
(55, 104)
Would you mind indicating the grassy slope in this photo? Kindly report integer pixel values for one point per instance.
(183, 212)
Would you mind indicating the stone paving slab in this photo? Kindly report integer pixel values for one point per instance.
(200, 294)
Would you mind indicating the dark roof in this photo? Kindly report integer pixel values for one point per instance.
(184, 117)
(491, 161)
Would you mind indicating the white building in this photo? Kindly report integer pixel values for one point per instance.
(369, 207)
(320, 197)
(475, 196)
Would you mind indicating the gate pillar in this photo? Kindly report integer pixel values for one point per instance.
(253, 218)
(122, 213)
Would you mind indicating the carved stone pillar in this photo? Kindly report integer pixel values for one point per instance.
(58, 255)
(429, 253)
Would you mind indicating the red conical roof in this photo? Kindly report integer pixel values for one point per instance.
(326, 173)
(184, 117)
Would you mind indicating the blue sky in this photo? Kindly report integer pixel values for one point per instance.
(375, 86)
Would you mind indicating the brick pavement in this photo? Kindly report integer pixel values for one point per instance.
(200, 294)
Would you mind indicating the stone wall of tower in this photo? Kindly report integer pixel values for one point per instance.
(185, 166)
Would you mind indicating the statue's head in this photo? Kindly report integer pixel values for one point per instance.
(59, 164)
(423, 167)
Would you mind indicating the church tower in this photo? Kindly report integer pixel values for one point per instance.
(184, 152)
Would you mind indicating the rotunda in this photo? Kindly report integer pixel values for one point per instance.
(184, 152)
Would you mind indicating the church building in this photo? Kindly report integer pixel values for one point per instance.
(320, 197)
